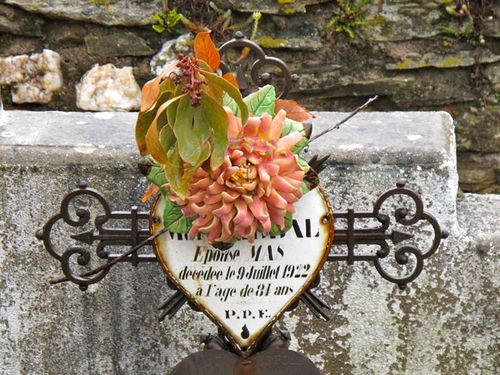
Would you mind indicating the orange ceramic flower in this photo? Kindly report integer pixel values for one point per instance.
(255, 187)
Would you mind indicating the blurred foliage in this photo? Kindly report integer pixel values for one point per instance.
(348, 15)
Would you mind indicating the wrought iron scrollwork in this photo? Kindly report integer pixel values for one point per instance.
(105, 237)
(250, 66)
(381, 235)
(137, 236)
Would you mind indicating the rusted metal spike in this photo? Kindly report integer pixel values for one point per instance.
(314, 306)
(176, 308)
(318, 164)
(399, 236)
(172, 300)
(163, 315)
(310, 306)
(318, 300)
(85, 237)
(172, 305)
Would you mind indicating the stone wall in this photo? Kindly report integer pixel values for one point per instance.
(413, 53)
(444, 323)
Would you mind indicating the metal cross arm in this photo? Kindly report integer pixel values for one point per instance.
(381, 235)
(76, 211)
(102, 234)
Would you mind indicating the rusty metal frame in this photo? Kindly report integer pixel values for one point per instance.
(380, 236)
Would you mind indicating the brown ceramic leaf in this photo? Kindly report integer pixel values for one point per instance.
(151, 89)
(205, 49)
(144, 120)
(293, 110)
(150, 92)
(152, 190)
(153, 144)
(229, 76)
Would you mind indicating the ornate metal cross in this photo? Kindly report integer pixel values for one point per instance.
(96, 240)
(102, 238)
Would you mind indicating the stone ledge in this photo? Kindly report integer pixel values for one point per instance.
(400, 138)
(58, 138)
(368, 154)
(478, 216)
(387, 138)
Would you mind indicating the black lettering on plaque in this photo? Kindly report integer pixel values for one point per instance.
(245, 334)
(283, 290)
(296, 229)
(179, 236)
(197, 253)
(256, 252)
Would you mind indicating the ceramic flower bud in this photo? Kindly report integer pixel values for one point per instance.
(255, 187)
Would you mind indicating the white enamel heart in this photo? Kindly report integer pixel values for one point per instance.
(245, 289)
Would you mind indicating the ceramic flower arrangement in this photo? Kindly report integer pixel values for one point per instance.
(227, 167)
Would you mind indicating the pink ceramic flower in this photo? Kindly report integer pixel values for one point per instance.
(255, 187)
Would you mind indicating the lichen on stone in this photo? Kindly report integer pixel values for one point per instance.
(459, 59)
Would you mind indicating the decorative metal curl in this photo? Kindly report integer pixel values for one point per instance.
(83, 259)
(250, 75)
(380, 237)
(105, 237)
(83, 214)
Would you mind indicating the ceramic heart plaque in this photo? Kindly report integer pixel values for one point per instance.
(246, 288)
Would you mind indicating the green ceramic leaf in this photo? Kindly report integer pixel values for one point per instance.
(232, 91)
(291, 126)
(202, 128)
(179, 175)
(302, 164)
(261, 101)
(276, 230)
(173, 218)
(188, 144)
(167, 137)
(174, 169)
(305, 188)
(190, 171)
(152, 139)
(215, 117)
(157, 175)
(229, 102)
(172, 108)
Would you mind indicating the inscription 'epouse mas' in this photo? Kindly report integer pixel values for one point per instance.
(226, 266)
(212, 265)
